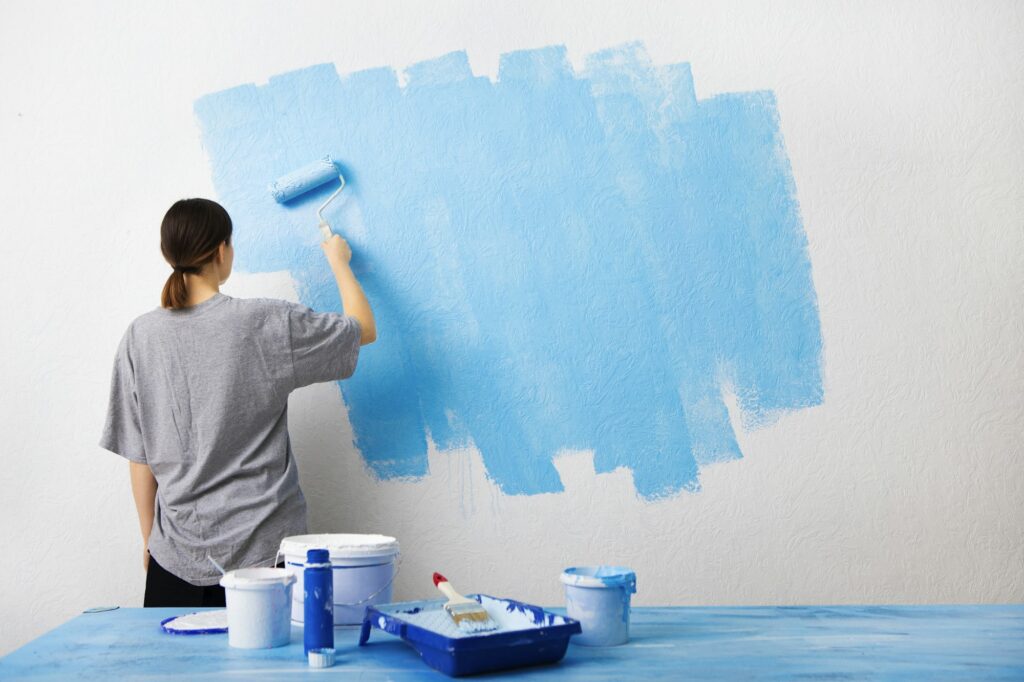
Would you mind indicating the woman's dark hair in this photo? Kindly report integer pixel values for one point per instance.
(190, 234)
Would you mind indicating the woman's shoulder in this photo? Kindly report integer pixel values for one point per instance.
(260, 305)
(223, 305)
(159, 323)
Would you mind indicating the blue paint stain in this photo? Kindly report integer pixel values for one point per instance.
(556, 260)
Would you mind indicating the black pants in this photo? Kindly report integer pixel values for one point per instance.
(166, 589)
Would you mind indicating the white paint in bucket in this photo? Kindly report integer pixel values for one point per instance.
(598, 597)
(363, 568)
(257, 601)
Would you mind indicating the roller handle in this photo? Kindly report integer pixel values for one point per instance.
(325, 230)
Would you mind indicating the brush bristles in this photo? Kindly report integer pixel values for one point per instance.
(471, 617)
(470, 625)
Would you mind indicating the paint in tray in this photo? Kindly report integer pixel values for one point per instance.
(526, 634)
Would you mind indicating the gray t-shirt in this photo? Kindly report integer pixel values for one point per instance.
(201, 396)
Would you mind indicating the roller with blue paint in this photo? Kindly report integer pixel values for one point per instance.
(308, 178)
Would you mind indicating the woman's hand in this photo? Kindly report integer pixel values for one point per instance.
(145, 559)
(338, 252)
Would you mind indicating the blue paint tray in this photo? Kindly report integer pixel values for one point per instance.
(527, 635)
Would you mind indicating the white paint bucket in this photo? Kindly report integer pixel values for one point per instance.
(363, 568)
(257, 601)
(598, 597)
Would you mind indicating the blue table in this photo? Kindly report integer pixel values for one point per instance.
(699, 643)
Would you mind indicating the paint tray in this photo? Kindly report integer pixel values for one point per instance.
(527, 635)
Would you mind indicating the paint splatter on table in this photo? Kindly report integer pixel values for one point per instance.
(697, 643)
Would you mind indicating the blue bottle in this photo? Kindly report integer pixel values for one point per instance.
(318, 586)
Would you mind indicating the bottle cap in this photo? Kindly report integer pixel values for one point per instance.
(321, 658)
(318, 556)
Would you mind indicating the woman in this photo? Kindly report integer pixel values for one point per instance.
(198, 405)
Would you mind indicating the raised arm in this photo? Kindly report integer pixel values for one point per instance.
(353, 300)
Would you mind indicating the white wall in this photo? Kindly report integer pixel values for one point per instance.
(903, 124)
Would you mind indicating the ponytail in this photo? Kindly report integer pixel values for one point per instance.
(175, 293)
(190, 236)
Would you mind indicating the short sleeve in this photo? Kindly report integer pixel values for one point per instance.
(122, 433)
(325, 346)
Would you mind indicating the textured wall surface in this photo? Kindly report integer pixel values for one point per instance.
(555, 261)
(903, 140)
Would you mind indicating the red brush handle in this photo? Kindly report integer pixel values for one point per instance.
(438, 578)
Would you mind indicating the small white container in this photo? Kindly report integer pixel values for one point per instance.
(258, 601)
(598, 597)
(362, 566)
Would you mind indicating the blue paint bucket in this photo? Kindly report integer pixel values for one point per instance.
(363, 567)
(598, 597)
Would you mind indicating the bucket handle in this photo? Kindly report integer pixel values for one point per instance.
(388, 584)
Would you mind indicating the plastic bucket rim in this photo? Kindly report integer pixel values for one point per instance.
(298, 545)
(257, 578)
(587, 577)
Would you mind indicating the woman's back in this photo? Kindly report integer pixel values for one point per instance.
(200, 395)
(199, 405)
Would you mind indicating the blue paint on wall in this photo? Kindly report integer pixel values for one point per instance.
(556, 259)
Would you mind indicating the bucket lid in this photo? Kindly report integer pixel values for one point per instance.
(600, 576)
(341, 545)
(256, 578)
(197, 623)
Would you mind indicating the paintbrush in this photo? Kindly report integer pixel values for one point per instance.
(469, 615)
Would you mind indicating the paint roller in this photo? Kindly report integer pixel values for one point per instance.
(308, 178)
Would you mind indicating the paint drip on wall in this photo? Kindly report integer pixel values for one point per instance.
(555, 259)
